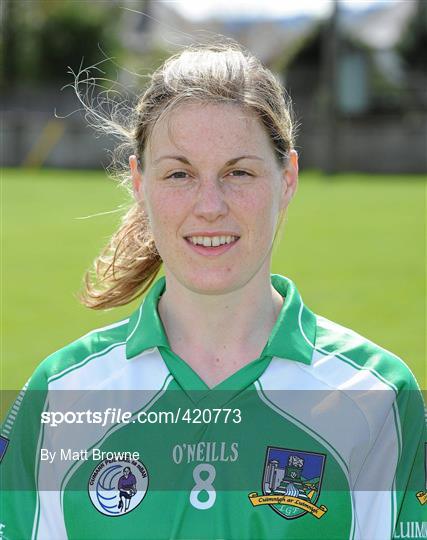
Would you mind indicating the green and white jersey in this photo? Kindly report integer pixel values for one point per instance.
(116, 437)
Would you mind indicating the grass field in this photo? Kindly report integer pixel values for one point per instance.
(354, 245)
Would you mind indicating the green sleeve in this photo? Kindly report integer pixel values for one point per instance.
(411, 480)
(21, 432)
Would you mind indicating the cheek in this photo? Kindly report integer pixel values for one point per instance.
(165, 211)
(261, 211)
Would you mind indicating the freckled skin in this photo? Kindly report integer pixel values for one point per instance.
(211, 199)
(195, 181)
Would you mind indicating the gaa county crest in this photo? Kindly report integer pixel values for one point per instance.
(291, 482)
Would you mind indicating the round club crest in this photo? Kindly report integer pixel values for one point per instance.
(116, 487)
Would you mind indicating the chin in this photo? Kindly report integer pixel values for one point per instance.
(219, 282)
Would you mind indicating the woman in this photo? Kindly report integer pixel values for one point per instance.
(127, 489)
(238, 411)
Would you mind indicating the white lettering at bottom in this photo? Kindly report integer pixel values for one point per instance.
(411, 529)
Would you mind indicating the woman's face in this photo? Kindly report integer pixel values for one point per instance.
(210, 172)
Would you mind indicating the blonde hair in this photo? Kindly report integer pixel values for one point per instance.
(211, 73)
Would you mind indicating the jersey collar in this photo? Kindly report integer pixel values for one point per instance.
(293, 336)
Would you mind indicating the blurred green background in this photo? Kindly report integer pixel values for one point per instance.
(353, 244)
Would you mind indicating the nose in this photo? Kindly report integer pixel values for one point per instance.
(210, 202)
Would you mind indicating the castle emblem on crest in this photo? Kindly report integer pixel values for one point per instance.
(291, 483)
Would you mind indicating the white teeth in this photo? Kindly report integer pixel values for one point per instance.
(209, 241)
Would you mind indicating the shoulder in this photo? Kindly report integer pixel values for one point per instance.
(95, 347)
(378, 382)
(359, 357)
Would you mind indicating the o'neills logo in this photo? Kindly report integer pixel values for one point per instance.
(291, 483)
(205, 451)
(117, 486)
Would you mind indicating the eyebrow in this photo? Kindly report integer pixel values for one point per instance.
(184, 160)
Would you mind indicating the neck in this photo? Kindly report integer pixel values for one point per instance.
(218, 334)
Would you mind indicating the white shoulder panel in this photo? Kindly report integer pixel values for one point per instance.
(351, 412)
(105, 381)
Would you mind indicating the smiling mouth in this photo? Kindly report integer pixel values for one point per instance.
(211, 246)
(212, 241)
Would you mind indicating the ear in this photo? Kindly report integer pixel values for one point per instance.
(290, 179)
(136, 175)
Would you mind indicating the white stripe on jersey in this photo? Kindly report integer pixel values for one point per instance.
(11, 417)
(334, 396)
(108, 327)
(112, 373)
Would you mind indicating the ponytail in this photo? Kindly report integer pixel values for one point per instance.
(126, 267)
